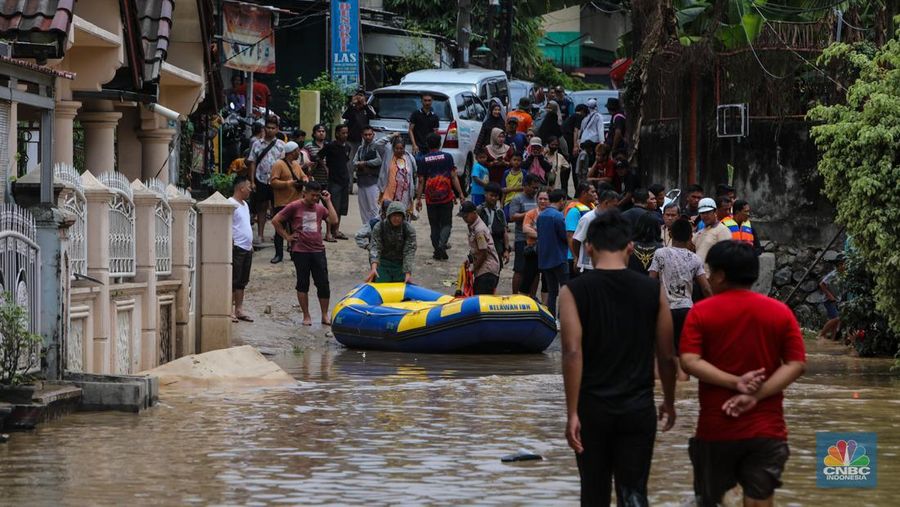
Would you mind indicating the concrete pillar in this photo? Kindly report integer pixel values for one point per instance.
(181, 270)
(215, 273)
(155, 153)
(98, 196)
(145, 202)
(99, 139)
(63, 143)
(127, 143)
(52, 236)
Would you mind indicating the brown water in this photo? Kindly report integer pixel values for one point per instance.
(389, 429)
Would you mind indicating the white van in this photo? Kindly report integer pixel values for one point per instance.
(460, 115)
(486, 84)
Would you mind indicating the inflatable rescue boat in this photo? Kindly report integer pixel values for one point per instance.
(407, 318)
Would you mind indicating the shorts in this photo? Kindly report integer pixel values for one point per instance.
(755, 463)
(340, 198)
(263, 194)
(519, 259)
(831, 309)
(241, 262)
(316, 264)
(486, 284)
(678, 316)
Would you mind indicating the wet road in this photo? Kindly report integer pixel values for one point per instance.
(388, 429)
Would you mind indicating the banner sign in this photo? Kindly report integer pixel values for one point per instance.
(345, 43)
(249, 40)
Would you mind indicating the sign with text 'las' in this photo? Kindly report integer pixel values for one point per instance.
(345, 43)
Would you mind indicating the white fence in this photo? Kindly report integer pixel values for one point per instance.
(163, 221)
(72, 200)
(20, 264)
(121, 225)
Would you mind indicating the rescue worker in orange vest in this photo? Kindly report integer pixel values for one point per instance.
(739, 225)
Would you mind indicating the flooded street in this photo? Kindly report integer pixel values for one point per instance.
(390, 429)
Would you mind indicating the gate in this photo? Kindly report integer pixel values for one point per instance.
(121, 225)
(73, 201)
(20, 264)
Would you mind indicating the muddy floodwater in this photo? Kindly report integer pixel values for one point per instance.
(389, 429)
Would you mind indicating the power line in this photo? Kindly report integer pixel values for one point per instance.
(750, 43)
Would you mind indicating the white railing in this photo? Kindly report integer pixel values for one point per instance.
(20, 266)
(192, 257)
(73, 201)
(121, 225)
(163, 238)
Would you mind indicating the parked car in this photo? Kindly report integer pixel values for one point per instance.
(486, 84)
(519, 89)
(581, 97)
(460, 113)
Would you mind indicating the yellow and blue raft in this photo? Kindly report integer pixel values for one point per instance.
(408, 318)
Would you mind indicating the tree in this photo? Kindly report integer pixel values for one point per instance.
(433, 16)
(861, 166)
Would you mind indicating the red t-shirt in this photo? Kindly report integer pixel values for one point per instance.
(306, 225)
(738, 331)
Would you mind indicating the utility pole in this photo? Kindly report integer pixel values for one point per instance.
(463, 31)
(509, 37)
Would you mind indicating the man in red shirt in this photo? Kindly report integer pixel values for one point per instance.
(745, 349)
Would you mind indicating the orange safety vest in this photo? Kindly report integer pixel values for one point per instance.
(577, 204)
(739, 232)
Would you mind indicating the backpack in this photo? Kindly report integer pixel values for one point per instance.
(438, 189)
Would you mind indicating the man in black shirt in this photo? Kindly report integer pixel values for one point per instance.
(357, 118)
(337, 159)
(569, 126)
(612, 319)
(421, 123)
(615, 135)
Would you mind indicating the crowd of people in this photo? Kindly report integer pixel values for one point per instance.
(639, 277)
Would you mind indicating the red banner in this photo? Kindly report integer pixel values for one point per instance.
(248, 38)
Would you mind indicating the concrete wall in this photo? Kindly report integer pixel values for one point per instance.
(774, 169)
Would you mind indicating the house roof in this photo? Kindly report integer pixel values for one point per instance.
(35, 16)
(155, 20)
(43, 69)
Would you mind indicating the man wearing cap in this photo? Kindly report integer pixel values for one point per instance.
(367, 163)
(713, 231)
(522, 115)
(514, 137)
(287, 184)
(615, 137)
(483, 260)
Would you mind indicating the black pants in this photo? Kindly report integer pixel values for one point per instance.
(556, 278)
(486, 284)
(573, 270)
(564, 180)
(440, 219)
(616, 446)
(315, 263)
(279, 241)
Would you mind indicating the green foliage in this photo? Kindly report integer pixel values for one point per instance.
(185, 153)
(222, 183)
(19, 348)
(861, 169)
(433, 16)
(416, 57)
(548, 75)
(868, 331)
(332, 99)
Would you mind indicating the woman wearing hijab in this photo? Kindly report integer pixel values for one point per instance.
(498, 155)
(494, 120)
(551, 126)
(397, 180)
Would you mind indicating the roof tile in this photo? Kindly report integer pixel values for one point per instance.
(155, 19)
(35, 16)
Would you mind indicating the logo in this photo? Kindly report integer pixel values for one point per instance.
(846, 460)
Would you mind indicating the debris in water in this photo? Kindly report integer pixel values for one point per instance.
(855, 396)
(4, 438)
(521, 456)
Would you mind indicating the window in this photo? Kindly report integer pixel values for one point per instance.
(503, 91)
(462, 107)
(485, 95)
(399, 105)
(476, 108)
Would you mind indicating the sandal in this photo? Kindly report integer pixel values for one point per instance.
(244, 318)
(331, 240)
(341, 235)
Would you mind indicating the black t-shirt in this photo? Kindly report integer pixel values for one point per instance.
(337, 156)
(618, 310)
(617, 122)
(568, 128)
(423, 124)
(356, 120)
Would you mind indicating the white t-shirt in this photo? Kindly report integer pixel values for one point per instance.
(241, 230)
(583, 261)
(592, 128)
(677, 268)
